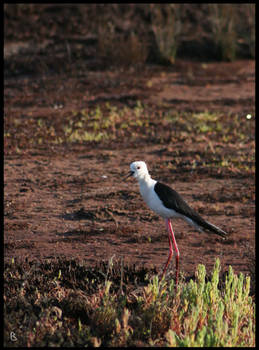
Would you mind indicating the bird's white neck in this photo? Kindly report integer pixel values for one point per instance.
(144, 179)
(145, 183)
(146, 186)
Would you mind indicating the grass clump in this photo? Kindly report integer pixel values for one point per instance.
(214, 317)
(103, 123)
(93, 307)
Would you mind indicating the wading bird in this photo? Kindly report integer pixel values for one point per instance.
(167, 203)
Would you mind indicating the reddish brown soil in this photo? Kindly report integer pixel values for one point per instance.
(70, 200)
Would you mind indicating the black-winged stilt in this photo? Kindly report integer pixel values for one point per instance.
(167, 203)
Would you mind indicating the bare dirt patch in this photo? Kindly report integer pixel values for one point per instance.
(69, 200)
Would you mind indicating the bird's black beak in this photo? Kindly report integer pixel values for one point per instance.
(130, 173)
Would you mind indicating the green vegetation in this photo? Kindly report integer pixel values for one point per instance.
(67, 304)
(109, 123)
(102, 124)
(210, 317)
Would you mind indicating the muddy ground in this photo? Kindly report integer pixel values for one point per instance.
(69, 199)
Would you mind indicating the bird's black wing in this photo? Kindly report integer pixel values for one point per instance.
(172, 200)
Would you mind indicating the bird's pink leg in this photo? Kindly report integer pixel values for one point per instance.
(170, 250)
(177, 254)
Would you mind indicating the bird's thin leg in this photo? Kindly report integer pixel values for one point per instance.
(177, 254)
(170, 250)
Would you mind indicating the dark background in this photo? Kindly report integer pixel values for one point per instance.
(101, 35)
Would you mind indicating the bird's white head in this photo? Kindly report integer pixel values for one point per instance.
(139, 170)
